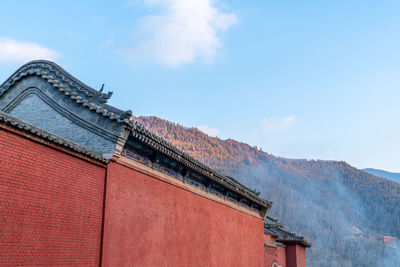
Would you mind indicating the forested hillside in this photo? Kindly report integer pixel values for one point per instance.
(351, 217)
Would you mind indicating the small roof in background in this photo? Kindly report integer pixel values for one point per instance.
(274, 228)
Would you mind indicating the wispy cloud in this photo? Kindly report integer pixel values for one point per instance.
(12, 51)
(182, 32)
(208, 130)
(277, 124)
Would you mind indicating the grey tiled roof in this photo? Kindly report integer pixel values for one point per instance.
(23, 126)
(273, 227)
(67, 84)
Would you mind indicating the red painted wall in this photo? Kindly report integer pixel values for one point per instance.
(50, 205)
(150, 222)
(51, 211)
(273, 254)
(282, 256)
(295, 256)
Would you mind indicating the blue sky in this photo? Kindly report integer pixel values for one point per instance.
(300, 79)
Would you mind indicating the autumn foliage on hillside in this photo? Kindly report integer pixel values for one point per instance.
(209, 150)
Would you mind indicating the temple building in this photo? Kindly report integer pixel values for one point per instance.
(283, 248)
(83, 184)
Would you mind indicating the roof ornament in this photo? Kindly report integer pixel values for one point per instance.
(101, 97)
(257, 193)
(126, 115)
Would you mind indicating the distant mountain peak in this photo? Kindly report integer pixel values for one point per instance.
(392, 176)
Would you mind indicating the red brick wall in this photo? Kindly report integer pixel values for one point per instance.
(50, 205)
(150, 222)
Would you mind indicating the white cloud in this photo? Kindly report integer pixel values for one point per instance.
(277, 124)
(208, 130)
(12, 51)
(182, 31)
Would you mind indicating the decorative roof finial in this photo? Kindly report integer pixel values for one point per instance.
(126, 115)
(101, 97)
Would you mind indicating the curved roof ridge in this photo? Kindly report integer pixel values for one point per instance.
(58, 68)
(62, 80)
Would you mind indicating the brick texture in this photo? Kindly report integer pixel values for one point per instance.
(149, 222)
(51, 205)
